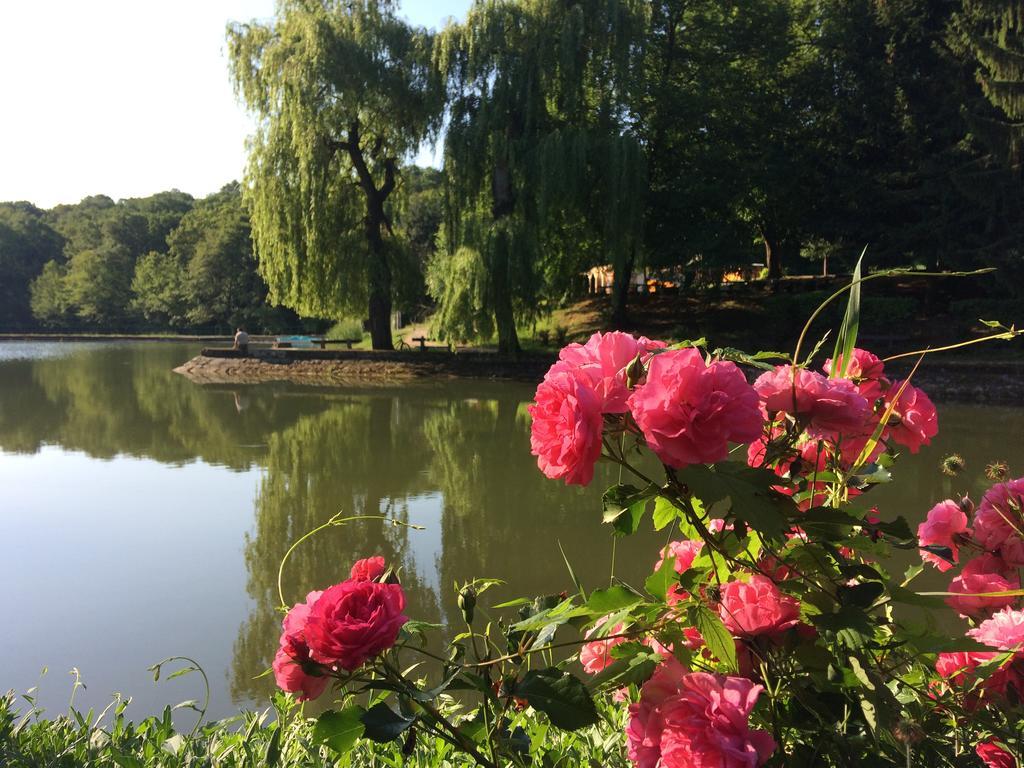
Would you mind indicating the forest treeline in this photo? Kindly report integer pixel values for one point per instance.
(696, 136)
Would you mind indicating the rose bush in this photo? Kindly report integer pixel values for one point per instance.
(770, 631)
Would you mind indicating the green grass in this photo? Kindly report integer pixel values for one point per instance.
(279, 736)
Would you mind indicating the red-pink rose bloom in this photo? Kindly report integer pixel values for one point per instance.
(602, 361)
(292, 659)
(689, 411)
(959, 669)
(565, 434)
(946, 521)
(866, 370)
(368, 569)
(986, 573)
(684, 553)
(1004, 630)
(696, 719)
(597, 654)
(999, 521)
(828, 406)
(914, 421)
(355, 621)
(994, 756)
(293, 678)
(757, 607)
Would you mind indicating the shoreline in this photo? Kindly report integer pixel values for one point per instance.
(993, 382)
(316, 367)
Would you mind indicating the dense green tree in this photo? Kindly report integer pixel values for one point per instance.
(27, 243)
(221, 281)
(98, 285)
(537, 141)
(158, 288)
(48, 295)
(343, 91)
(990, 33)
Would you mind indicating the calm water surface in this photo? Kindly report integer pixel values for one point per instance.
(142, 516)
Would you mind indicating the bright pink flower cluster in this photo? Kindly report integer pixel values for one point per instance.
(342, 627)
(687, 410)
(833, 420)
(983, 590)
(686, 719)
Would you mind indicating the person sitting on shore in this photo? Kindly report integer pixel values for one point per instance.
(242, 341)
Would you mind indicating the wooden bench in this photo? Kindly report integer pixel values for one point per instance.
(422, 341)
(347, 342)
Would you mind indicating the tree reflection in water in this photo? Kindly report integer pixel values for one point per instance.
(450, 455)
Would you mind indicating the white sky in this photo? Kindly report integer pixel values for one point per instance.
(127, 97)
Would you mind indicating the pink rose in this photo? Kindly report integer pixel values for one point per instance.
(956, 668)
(865, 371)
(684, 553)
(1004, 630)
(689, 412)
(354, 621)
(602, 361)
(914, 421)
(986, 573)
(597, 655)
(946, 521)
(999, 521)
(291, 676)
(292, 664)
(994, 756)
(959, 669)
(827, 406)
(368, 569)
(686, 719)
(565, 434)
(757, 607)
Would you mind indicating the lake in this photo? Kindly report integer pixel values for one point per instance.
(143, 516)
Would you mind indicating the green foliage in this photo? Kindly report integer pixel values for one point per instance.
(538, 156)
(282, 737)
(343, 92)
(27, 244)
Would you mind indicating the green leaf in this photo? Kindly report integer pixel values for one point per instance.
(664, 512)
(616, 598)
(861, 595)
(273, 753)
(624, 506)
(717, 638)
(339, 730)
(561, 696)
(847, 336)
(657, 583)
(632, 663)
(748, 490)
(382, 724)
(849, 624)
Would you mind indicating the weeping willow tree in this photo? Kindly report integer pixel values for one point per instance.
(542, 173)
(991, 32)
(343, 90)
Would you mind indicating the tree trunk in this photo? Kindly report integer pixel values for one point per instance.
(503, 204)
(620, 291)
(379, 271)
(379, 280)
(772, 255)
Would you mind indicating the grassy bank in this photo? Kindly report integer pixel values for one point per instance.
(283, 735)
